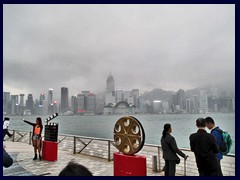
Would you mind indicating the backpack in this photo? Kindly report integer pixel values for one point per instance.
(226, 142)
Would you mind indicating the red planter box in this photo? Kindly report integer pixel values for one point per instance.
(50, 151)
(129, 165)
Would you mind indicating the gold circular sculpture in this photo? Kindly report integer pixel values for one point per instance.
(129, 135)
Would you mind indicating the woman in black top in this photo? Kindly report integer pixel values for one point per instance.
(170, 151)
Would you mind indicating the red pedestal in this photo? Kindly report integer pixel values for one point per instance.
(129, 165)
(50, 151)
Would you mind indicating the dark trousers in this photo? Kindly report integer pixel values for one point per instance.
(207, 170)
(5, 131)
(170, 168)
(219, 168)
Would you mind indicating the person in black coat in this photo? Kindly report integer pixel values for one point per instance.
(170, 151)
(205, 147)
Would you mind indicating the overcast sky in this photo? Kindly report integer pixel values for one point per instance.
(143, 46)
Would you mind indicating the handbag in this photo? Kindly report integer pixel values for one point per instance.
(178, 159)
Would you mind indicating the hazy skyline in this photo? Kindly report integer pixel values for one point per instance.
(143, 46)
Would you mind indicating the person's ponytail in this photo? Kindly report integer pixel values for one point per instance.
(166, 127)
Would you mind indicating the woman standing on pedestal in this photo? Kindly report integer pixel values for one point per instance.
(36, 137)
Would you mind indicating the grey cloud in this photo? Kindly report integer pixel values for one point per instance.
(144, 46)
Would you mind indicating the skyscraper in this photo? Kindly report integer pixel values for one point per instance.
(80, 103)
(15, 105)
(50, 101)
(110, 85)
(50, 96)
(29, 103)
(91, 103)
(42, 98)
(64, 99)
(6, 103)
(21, 105)
(110, 90)
(136, 97)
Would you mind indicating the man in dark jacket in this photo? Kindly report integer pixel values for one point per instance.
(205, 148)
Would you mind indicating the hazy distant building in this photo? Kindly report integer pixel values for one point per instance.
(119, 95)
(157, 106)
(29, 105)
(81, 103)
(214, 92)
(74, 104)
(195, 100)
(91, 103)
(226, 104)
(21, 104)
(110, 90)
(165, 106)
(45, 107)
(50, 101)
(64, 99)
(50, 96)
(128, 97)
(110, 84)
(14, 105)
(55, 107)
(203, 102)
(38, 107)
(135, 94)
(41, 98)
(6, 103)
(142, 105)
(189, 105)
(181, 99)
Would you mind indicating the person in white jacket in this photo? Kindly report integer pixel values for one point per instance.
(6, 124)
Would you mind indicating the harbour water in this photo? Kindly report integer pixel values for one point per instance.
(102, 126)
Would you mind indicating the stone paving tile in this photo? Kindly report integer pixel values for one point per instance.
(15, 169)
(98, 166)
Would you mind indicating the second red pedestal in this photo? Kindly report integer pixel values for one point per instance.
(129, 165)
(50, 151)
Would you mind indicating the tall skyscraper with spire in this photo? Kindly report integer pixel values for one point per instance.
(50, 101)
(110, 90)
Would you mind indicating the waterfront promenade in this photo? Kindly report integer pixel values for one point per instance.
(25, 166)
(94, 153)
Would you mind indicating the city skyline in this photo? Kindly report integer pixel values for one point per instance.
(144, 46)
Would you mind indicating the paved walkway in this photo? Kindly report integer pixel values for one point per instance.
(22, 154)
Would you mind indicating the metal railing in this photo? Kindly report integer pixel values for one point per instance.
(76, 138)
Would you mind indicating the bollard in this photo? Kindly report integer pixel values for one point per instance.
(154, 163)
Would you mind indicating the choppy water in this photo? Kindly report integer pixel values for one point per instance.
(102, 126)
